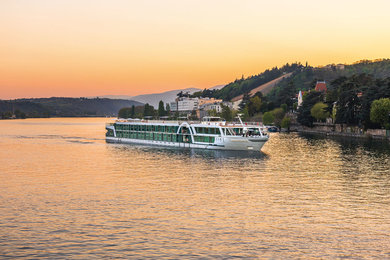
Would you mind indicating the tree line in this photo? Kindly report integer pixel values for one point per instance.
(360, 100)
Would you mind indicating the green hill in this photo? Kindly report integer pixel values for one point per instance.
(306, 77)
(64, 107)
(302, 78)
(244, 85)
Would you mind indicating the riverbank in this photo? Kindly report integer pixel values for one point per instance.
(345, 131)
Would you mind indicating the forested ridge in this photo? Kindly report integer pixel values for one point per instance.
(63, 107)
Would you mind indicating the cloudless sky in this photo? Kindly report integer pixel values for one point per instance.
(95, 47)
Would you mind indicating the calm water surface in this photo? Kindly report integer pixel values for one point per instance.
(65, 193)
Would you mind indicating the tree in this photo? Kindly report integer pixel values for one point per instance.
(226, 113)
(380, 112)
(286, 95)
(168, 109)
(284, 107)
(124, 112)
(245, 100)
(268, 118)
(278, 116)
(194, 116)
(295, 106)
(20, 114)
(212, 112)
(245, 114)
(132, 113)
(161, 109)
(319, 111)
(254, 105)
(309, 100)
(286, 122)
(148, 110)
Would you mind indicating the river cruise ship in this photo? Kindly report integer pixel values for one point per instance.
(210, 133)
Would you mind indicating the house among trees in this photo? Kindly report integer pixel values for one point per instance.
(321, 86)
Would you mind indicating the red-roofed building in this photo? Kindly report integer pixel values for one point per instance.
(321, 86)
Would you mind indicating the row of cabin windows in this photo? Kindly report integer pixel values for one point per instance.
(164, 137)
(154, 136)
(204, 139)
(147, 128)
(165, 129)
(207, 130)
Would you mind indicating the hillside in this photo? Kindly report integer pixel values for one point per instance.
(306, 77)
(67, 107)
(245, 85)
(271, 82)
(264, 88)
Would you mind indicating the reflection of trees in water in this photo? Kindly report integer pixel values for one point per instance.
(352, 145)
(361, 167)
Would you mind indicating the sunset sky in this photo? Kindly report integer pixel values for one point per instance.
(90, 47)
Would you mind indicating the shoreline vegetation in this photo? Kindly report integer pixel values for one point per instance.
(341, 130)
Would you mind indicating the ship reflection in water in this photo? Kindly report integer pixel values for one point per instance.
(66, 193)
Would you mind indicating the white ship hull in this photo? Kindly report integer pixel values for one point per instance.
(228, 144)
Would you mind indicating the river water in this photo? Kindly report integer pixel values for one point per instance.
(65, 193)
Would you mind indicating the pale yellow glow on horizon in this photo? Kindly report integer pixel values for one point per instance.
(88, 48)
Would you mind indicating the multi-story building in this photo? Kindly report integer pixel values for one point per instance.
(183, 104)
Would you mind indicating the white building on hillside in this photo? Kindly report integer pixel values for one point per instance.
(185, 104)
(300, 98)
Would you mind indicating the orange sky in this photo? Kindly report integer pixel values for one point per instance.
(91, 47)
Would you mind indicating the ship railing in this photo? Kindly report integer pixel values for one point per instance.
(179, 122)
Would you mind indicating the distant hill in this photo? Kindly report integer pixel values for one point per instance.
(125, 97)
(154, 99)
(66, 107)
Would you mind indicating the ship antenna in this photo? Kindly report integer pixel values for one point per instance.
(244, 129)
